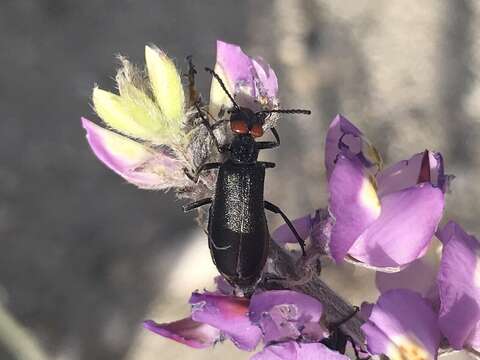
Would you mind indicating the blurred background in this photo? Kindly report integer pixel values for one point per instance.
(85, 257)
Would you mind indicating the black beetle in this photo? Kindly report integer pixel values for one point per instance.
(237, 227)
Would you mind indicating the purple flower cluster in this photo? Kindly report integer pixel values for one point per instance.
(288, 323)
(429, 307)
(381, 218)
(375, 213)
(385, 219)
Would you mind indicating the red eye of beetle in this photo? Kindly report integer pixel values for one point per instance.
(257, 130)
(239, 126)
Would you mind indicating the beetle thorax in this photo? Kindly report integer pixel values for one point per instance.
(243, 149)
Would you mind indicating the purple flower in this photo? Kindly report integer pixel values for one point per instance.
(148, 146)
(459, 287)
(251, 81)
(455, 296)
(380, 218)
(229, 314)
(278, 316)
(402, 325)
(346, 139)
(317, 227)
(383, 219)
(287, 315)
(214, 317)
(139, 164)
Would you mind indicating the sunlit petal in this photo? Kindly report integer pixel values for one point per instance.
(186, 331)
(459, 285)
(229, 314)
(404, 229)
(402, 325)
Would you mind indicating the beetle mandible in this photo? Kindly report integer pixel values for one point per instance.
(238, 235)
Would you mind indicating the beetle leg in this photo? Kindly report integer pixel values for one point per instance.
(270, 144)
(275, 209)
(208, 166)
(197, 204)
(219, 123)
(267, 164)
(210, 128)
(355, 350)
(275, 134)
(269, 277)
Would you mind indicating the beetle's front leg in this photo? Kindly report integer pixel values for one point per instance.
(196, 204)
(275, 209)
(266, 164)
(261, 145)
(210, 128)
(208, 166)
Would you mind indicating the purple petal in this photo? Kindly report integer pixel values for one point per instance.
(229, 314)
(268, 83)
(237, 67)
(339, 127)
(405, 228)
(136, 163)
(251, 82)
(449, 232)
(317, 226)
(366, 310)
(186, 331)
(402, 325)
(353, 203)
(459, 285)
(406, 173)
(344, 138)
(283, 235)
(286, 314)
(295, 351)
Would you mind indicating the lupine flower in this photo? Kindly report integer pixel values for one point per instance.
(386, 220)
(459, 287)
(214, 317)
(280, 317)
(455, 295)
(383, 218)
(251, 82)
(145, 145)
(149, 144)
(402, 325)
(287, 315)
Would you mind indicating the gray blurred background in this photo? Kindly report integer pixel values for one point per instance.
(84, 257)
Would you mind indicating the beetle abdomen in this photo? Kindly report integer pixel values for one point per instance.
(238, 232)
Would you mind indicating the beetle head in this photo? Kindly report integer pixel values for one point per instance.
(245, 121)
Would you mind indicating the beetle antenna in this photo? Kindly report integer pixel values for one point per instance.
(286, 111)
(220, 81)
